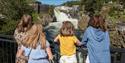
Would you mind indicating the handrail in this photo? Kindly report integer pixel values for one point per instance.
(6, 40)
(114, 51)
(10, 38)
(6, 36)
(120, 50)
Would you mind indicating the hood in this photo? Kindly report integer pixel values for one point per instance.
(97, 34)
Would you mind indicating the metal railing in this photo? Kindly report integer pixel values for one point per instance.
(8, 48)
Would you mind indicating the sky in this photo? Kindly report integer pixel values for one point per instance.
(53, 2)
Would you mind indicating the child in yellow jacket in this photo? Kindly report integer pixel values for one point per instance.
(68, 42)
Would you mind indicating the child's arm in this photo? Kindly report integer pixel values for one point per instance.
(56, 39)
(48, 50)
(20, 52)
(77, 42)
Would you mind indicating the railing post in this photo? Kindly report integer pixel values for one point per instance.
(123, 58)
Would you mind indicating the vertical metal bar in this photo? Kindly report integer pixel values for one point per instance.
(10, 50)
(2, 46)
(123, 58)
(6, 52)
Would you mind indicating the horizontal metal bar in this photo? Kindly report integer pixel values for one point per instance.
(6, 40)
(6, 36)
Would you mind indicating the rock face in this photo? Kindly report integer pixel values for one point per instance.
(120, 27)
(121, 32)
(118, 36)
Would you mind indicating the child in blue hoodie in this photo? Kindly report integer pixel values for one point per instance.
(96, 38)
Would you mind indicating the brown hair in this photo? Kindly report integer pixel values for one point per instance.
(67, 29)
(98, 22)
(25, 23)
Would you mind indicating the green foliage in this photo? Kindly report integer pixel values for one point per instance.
(9, 27)
(12, 10)
(35, 16)
(50, 11)
(117, 12)
(93, 6)
(70, 3)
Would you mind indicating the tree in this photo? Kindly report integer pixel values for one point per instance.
(12, 10)
(91, 6)
(70, 3)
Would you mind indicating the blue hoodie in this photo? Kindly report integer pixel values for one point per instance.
(98, 45)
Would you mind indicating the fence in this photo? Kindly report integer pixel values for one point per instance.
(8, 48)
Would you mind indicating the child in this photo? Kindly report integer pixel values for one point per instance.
(96, 38)
(68, 42)
(33, 43)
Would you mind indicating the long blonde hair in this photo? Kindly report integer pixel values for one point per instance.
(37, 35)
(32, 33)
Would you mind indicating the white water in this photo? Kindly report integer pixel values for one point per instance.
(61, 17)
(53, 28)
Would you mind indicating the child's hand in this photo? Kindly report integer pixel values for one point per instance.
(50, 57)
(79, 43)
(19, 53)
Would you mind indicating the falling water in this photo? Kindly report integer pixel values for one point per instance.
(53, 28)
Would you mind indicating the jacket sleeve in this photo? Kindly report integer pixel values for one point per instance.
(108, 38)
(85, 38)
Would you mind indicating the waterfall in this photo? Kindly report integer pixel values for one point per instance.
(60, 17)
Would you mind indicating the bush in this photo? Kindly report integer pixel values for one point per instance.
(9, 27)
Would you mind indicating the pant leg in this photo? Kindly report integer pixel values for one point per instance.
(87, 59)
(62, 59)
(68, 59)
